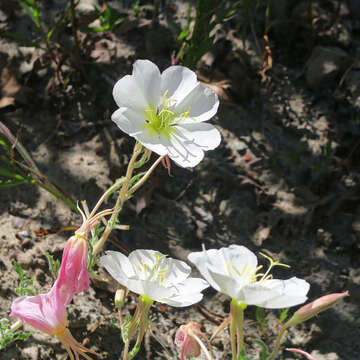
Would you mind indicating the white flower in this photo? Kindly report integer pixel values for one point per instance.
(155, 276)
(234, 271)
(166, 112)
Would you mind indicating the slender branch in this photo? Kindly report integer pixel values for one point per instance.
(146, 176)
(277, 343)
(120, 200)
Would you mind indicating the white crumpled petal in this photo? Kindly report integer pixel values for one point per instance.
(128, 120)
(277, 294)
(202, 102)
(148, 78)
(216, 262)
(124, 91)
(188, 292)
(118, 266)
(178, 81)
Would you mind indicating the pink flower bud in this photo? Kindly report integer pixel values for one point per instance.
(73, 276)
(184, 338)
(310, 310)
(45, 312)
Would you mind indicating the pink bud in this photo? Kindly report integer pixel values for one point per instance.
(45, 312)
(308, 356)
(73, 276)
(310, 310)
(184, 338)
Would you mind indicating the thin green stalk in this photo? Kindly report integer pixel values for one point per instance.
(120, 200)
(233, 337)
(146, 176)
(237, 327)
(278, 342)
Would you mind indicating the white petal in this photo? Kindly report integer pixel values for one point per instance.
(143, 260)
(240, 263)
(178, 81)
(128, 120)
(118, 266)
(202, 103)
(150, 289)
(183, 153)
(182, 301)
(203, 135)
(227, 284)
(127, 94)
(188, 292)
(148, 78)
(177, 272)
(205, 260)
(276, 294)
(157, 144)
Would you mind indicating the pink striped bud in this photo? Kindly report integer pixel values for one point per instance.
(310, 310)
(73, 276)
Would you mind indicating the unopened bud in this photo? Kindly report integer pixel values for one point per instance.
(186, 339)
(310, 310)
(120, 297)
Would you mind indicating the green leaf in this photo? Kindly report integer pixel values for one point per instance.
(33, 12)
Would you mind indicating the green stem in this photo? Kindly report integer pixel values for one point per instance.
(237, 327)
(277, 343)
(120, 200)
(145, 177)
(233, 337)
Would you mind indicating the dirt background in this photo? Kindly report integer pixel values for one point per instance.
(285, 179)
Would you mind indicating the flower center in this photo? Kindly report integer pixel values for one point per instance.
(155, 272)
(250, 274)
(161, 120)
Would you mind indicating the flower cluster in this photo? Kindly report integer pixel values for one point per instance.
(166, 113)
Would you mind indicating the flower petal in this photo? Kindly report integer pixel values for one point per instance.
(275, 294)
(148, 78)
(178, 81)
(226, 262)
(177, 272)
(118, 266)
(202, 103)
(130, 121)
(151, 289)
(184, 154)
(203, 135)
(158, 144)
(188, 292)
(127, 94)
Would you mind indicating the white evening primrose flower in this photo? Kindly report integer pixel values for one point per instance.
(155, 277)
(166, 111)
(234, 271)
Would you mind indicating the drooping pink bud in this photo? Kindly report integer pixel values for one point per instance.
(310, 310)
(187, 339)
(73, 276)
(47, 313)
(308, 356)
